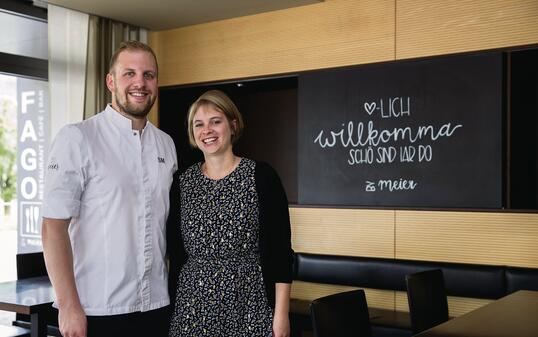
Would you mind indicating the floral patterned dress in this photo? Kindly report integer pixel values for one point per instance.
(220, 288)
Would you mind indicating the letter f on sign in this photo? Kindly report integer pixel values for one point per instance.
(27, 99)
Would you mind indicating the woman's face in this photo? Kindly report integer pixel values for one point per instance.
(212, 130)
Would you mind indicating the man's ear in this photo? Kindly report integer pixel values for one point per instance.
(110, 82)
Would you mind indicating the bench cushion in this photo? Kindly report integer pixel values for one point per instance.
(347, 270)
(465, 280)
(521, 279)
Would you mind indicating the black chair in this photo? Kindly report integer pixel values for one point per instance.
(341, 315)
(426, 295)
(30, 265)
(33, 265)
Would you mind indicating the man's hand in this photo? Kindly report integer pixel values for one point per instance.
(59, 260)
(72, 322)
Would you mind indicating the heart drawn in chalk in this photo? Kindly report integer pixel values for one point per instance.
(369, 107)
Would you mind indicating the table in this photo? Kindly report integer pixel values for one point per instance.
(32, 296)
(515, 315)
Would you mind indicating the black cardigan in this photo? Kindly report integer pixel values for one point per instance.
(276, 255)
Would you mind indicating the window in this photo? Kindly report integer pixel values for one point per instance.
(23, 129)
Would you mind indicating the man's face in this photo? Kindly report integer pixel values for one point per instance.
(133, 83)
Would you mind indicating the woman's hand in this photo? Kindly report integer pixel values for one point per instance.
(281, 319)
(281, 325)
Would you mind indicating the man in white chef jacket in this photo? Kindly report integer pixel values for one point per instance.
(105, 207)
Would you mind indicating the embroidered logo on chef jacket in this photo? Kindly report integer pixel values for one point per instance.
(53, 164)
(161, 160)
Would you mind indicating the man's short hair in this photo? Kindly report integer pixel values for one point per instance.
(130, 46)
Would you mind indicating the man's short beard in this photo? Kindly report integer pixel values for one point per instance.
(133, 112)
(126, 107)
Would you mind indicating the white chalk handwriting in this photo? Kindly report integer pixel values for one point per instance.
(355, 135)
(390, 185)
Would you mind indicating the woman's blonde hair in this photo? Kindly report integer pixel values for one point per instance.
(221, 102)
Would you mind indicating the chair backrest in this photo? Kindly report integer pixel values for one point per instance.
(33, 265)
(341, 315)
(426, 295)
(30, 265)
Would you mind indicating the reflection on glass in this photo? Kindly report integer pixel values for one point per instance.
(23, 149)
(32, 147)
(8, 176)
(23, 36)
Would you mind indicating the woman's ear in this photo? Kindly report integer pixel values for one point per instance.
(234, 126)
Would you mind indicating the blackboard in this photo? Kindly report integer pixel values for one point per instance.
(422, 133)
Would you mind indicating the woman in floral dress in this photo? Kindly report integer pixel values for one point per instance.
(235, 265)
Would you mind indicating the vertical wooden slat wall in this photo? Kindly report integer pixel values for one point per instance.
(344, 32)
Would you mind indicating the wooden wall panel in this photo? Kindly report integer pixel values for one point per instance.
(469, 237)
(328, 34)
(343, 231)
(435, 27)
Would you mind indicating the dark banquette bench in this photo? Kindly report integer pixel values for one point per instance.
(461, 280)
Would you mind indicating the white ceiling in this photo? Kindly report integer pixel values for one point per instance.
(167, 14)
